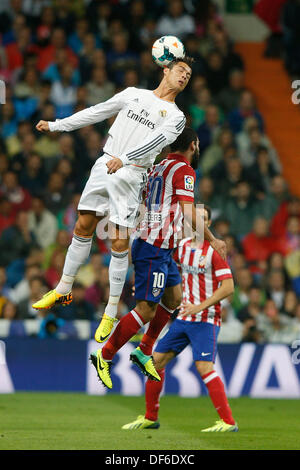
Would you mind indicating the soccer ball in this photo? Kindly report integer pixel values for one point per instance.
(166, 49)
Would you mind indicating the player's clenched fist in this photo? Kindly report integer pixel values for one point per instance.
(42, 126)
(114, 165)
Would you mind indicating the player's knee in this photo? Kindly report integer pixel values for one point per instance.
(204, 367)
(146, 309)
(84, 226)
(119, 244)
(173, 303)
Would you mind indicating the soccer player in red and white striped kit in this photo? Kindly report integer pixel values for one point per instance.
(198, 324)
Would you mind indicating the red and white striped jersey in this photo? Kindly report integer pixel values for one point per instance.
(200, 282)
(169, 182)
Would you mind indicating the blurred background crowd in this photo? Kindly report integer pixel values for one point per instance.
(58, 57)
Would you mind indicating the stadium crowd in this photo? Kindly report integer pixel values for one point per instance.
(58, 57)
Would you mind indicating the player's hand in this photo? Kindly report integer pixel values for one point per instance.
(220, 247)
(188, 309)
(42, 126)
(113, 165)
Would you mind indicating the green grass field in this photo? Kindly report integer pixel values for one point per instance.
(62, 421)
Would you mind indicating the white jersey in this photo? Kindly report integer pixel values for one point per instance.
(144, 125)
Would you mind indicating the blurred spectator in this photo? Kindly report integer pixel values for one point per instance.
(56, 196)
(288, 207)
(96, 292)
(214, 153)
(63, 93)
(253, 309)
(272, 201)
(175, 20)
(246, 109)
(233, 174)
(21, 290)
(53, 72)
(209, 130)
(243, 283)
(276, 328)
(5, 290)
(258, 245)
(32, 177)
(262, 171)
(53, 273)
(256, 142)
(207, 195)
(38, 288)
(17, 50)
(42, 223)
(291, 39)
(7, 213)
(89, 271)
(241, 210)
(50, 326)
(221, 228)
(229, 97)
(99, 89)
(67, 218)
(10, 188)
(28, 146)
(216, 72)
(9, 119)
(198, 109)
(16, 240)
(57, 41)
(120, 57)
(290, 304)
(9, 311)
(232, 328)
(276, 287)
(61, 245)
(79, 309)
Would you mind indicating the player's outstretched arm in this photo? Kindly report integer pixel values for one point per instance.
(88, 116)
(226, 288)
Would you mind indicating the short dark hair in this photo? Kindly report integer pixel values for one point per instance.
(184, 140)
(208, 210)
(186, 60)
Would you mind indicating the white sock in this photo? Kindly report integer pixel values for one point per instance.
(118, 267)
(78, 253)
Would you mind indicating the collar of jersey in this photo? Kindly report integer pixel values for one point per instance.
(179, 157)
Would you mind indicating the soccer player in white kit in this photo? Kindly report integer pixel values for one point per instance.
(146, 122)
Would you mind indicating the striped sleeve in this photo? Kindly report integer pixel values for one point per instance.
(159, 138)
(183, 182)
(220, 267)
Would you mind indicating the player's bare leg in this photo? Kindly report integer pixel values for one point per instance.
(152, 393)
(77, 254)
(117, 275)
(218, 397)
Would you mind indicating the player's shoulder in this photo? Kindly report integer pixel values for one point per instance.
(134, 92)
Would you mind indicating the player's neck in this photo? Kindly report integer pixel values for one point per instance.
(164, 92)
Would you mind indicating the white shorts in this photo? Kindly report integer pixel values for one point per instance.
(118, 194)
